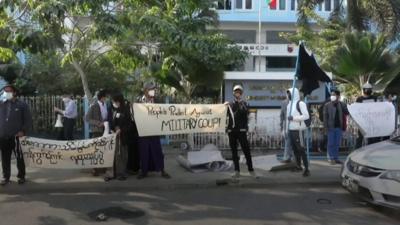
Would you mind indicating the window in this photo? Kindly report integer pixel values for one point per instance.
(336, 4)
(244, 4)
(293, 5)
(241, 36)
(274, 38)
(224, 5)
(276, 62)
(320, 6)
(328, 5)
(282, 4)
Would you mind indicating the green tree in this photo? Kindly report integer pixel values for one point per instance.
(363, 58)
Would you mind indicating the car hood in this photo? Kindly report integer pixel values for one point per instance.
(383, 155)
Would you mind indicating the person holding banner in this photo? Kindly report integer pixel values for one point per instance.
(151, 155)
(98, 117)
(367, 97)
(15, 122)
(122, 125)
(238, 111)
(335, 113)
(297, 115)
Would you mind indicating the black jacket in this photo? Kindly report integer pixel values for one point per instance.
(239, 120)
(15, 116)
(123, 119)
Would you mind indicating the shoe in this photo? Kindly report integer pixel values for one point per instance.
(236, 174)
(165, 175)
(141, 176)
(338, 161)
(297, 169)
(21, 181)
(253, 174)
(106, 179)
(332, 162)
(4, 182)
(306, 173)
(121, 178)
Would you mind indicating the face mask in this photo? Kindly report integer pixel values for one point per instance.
(333, 98)
(152, 93)
(8, 95)
(116, 105)
(368, 92)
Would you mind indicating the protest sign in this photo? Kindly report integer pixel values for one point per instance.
(76, 154)
(165, 119)
(374, 119)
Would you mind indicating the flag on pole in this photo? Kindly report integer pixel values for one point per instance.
(272, 4)
(309, 72)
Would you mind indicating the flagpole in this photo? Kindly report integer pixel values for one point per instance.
(259, 35)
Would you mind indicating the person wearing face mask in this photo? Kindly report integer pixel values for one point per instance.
(238, 112)
(150, 150)
(69, 117)
(15, 122)
(98, 117)
(122, 125)
(367, 97)
(335, 113)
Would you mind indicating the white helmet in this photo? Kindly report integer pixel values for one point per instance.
(367, 86)
(238, 87)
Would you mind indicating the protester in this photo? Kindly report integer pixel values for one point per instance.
(297, 115)
(288, 151)
(238, 111)
(133, 164)
(122, 125)
(335, 113)
(391, 99)
(367, 97)
(69, 117)
(98, 117)
(15, 122)
(151, 155)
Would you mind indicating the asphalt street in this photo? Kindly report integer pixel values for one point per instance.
(286, 204)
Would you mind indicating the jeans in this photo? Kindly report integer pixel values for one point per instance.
(334, 139)
(298, 150)
(234, 137)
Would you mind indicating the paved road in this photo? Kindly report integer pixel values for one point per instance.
(285, 204)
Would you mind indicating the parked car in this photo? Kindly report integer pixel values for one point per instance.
(373, 173)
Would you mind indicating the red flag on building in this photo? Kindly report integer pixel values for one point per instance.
(272, 4)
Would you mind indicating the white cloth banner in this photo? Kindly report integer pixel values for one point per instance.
(165, 119)
(76, 154)
(374, 119)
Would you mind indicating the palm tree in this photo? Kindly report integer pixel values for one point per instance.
(363, 58)
(362, 15)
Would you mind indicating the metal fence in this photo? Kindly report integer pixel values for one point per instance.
(44, 117)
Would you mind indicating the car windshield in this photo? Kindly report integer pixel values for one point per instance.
(396, 139)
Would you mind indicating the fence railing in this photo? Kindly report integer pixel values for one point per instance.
(43, 115)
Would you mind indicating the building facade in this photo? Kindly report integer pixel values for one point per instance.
(269, 69)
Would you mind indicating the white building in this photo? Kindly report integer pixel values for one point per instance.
(270, 67)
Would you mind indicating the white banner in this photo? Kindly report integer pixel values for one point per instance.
(165, 119)
(374, 119)
(76, 154)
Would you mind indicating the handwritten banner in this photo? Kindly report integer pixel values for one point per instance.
(374, 119)
(165, 119)
(77, 154)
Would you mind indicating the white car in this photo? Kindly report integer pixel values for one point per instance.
(373, 173)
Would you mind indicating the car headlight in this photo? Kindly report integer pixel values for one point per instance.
(391, 175)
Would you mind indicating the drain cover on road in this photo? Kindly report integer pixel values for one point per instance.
(115, 212)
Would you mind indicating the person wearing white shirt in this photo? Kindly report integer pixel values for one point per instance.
(69, 116)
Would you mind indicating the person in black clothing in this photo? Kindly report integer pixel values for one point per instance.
(238, 111)
(366, 98)
(122, 125)
(15, 122)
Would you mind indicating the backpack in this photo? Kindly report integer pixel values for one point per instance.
(307, 121)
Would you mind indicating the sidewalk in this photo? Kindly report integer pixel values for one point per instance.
(46, 180)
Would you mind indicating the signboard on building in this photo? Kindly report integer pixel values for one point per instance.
(269, 93)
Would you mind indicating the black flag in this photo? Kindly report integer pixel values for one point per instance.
(309, 72)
